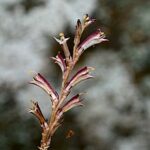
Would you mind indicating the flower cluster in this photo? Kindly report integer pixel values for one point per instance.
(60, 104)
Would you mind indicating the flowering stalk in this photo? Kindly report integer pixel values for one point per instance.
(60, 104)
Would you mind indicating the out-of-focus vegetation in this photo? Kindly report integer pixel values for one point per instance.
(117, 106)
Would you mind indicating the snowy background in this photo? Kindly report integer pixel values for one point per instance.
(116, 115)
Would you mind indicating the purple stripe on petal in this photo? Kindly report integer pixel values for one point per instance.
(82, 78)
(47, 83)
(60, 61)
(82, 70)
(95, 38)
(74, 101)
(40, 81)
(87, 20)
(78, 73)
(81, 75)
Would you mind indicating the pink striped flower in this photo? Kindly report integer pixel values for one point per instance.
(40, 81)
(81, 75)
(73, 102)
(60, 61)
(95, 38)
(35, 110)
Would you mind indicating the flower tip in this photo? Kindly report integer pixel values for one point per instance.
(32, 72)
(30, 110)
(106, 40)
(81, 105)
(30, 82)
(86, 18)
(53, 58)
(61, 34)
(93, 20)
(90, 76)
(91, 68)
(57, 40)
(78, 22)
(82, 93)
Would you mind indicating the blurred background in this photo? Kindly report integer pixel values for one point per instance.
(116, 115)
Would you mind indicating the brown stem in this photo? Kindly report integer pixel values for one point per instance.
(53, 123)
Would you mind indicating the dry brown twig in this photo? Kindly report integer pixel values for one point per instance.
(60, 104)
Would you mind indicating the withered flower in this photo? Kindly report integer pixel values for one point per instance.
(35, 110)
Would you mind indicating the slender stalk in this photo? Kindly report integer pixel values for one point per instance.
(60, 105)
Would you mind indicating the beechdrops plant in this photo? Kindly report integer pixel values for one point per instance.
(59, 102)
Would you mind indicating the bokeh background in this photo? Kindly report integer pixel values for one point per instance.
(116, 115)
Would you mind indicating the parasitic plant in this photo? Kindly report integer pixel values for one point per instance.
(66, 62)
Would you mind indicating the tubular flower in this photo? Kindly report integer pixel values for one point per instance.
(73, 102)
(63, 42)
(95, 38)
(40, 81)
(60, 61)
(81, 75)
